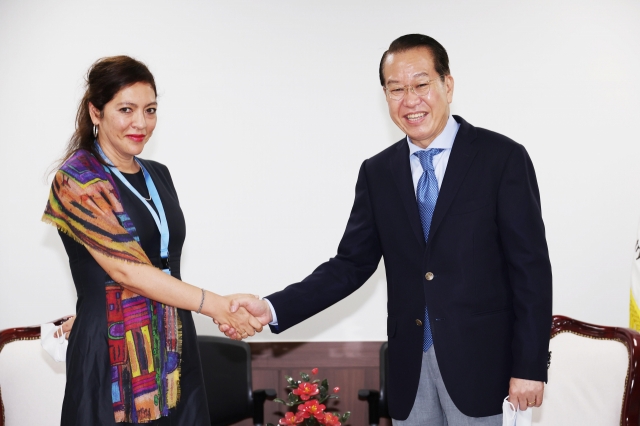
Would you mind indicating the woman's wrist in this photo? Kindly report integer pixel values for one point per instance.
(213, 304)
(201, 302)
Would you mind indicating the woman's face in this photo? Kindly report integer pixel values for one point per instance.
(126, 122)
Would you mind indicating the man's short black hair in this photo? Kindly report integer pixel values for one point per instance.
(414, 41)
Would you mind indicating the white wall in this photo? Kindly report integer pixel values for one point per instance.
(267, 110)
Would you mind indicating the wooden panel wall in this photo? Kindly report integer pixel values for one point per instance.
(350, 365)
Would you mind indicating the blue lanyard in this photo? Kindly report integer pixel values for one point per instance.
(161, 222)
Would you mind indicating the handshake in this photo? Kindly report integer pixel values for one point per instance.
(238, 316)
(242, 315)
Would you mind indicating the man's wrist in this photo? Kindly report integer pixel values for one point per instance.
(274, 317)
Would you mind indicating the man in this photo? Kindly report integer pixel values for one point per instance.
(455, 212)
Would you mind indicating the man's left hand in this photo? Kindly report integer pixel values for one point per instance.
(525, 393)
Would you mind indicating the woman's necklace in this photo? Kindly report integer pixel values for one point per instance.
(133, 159)
(140, 171)
(148, 199)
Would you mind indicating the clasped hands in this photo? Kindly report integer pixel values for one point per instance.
(245, 315)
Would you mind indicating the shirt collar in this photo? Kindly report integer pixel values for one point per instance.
(444, 140)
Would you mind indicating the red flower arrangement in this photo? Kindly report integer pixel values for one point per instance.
(308, 397)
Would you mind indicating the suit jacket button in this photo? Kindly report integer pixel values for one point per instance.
(418, 322)
(429, 276)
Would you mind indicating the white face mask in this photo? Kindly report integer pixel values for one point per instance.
(55, 346)
(511, 417)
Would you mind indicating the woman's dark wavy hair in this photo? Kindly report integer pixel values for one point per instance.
(105, 78)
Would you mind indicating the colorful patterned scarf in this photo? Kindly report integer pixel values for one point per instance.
(145, 337)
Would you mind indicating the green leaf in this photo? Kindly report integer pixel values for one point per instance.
(270, 424)
(345, 417)
(325, 384)
(281, 401)
(305, 376)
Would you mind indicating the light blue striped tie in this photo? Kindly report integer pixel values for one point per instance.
(427, 195)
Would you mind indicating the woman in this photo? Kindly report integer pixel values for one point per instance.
(132, 354)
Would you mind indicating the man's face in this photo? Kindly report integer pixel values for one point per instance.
(422, 118)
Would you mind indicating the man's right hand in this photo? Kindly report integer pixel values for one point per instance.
(256, 307)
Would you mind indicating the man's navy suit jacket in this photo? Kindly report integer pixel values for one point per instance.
(489, 300)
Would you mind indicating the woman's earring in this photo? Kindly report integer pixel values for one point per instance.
(95, 131)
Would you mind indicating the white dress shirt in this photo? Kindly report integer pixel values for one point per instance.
(444, 141)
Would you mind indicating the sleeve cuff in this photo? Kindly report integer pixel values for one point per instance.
(273, 323)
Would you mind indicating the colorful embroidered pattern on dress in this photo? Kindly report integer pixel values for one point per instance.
(145, 337)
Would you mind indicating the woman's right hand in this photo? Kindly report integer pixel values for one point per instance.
(240, 320)
(257, 307)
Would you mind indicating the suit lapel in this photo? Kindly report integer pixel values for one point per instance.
(462, 154)
(401, 171)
